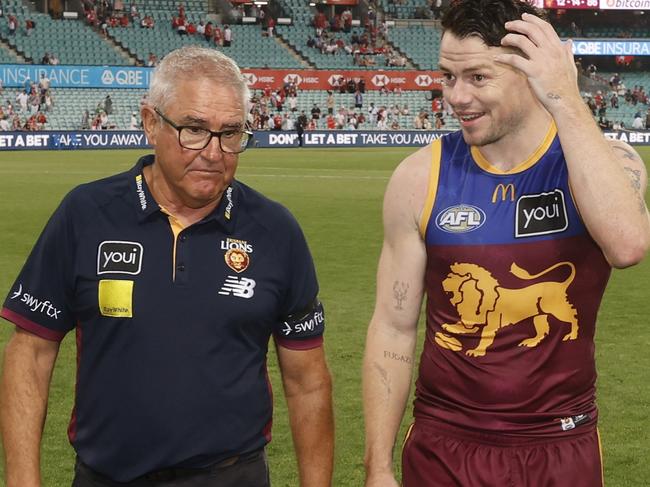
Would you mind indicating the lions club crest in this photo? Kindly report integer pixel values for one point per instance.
(237, 260)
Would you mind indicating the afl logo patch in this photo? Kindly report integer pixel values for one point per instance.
(237, 260)
(460, 219)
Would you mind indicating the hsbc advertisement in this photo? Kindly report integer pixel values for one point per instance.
(16, 75)
(258, 79)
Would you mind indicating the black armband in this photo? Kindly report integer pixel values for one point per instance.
(307, 323)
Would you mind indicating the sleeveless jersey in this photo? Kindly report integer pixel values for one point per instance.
(513, 282)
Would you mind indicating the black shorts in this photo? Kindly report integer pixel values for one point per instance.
(247, 470)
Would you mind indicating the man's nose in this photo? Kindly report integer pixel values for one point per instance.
(213, 149)
(460, 94)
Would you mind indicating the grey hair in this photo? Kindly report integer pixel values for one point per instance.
(190, 63)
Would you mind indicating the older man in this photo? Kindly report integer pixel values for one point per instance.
(174, 276)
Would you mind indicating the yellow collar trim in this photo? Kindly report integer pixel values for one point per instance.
(483, 163)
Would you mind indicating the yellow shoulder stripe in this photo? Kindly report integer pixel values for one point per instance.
(436, 154)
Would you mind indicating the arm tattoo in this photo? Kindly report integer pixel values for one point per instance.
(398, 356)
(553, 96)
(635, 182)
(634, 174)
(635, 177)
(400, 290)
(384, 378)
(627, 154)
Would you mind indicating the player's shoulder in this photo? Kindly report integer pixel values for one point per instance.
(416, 167)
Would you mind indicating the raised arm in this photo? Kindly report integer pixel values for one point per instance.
(391, 339)
(308, 389)
(607, 180)
(28, 364)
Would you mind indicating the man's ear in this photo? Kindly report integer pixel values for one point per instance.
(150, 123)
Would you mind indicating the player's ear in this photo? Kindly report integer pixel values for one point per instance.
(150, 123)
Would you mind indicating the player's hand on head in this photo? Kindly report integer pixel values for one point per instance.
(546, 61)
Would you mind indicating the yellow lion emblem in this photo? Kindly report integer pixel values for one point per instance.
(482, 304)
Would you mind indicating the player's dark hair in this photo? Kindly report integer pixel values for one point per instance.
(485, 18)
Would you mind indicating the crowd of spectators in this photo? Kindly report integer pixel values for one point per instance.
(211, 32)
(615, 97)
(336, 36)
(13, 25)
(278, 110)
(29, 108)
(104, 14)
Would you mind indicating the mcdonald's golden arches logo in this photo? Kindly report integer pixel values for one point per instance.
(504, 189)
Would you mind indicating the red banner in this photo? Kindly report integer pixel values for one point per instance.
(331, 80)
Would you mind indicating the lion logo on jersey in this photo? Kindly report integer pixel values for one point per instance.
(482, 304)
(237, 260)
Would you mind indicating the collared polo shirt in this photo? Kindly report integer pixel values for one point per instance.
(172, 325)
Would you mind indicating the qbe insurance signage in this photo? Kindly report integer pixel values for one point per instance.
(18, 75)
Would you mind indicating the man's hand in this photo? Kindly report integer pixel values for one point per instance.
(547, 63)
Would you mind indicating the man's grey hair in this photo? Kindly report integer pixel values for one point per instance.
(191, 63)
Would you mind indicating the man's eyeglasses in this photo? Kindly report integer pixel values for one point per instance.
(197, 138)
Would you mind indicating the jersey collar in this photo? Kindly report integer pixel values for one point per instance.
(224, 214)
(142, 198)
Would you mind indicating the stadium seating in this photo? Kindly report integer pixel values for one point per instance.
(605, 32)
(410, 9)
(249, 48)
(8, 57)
(421, 43)
(72, 41)
(296, 37)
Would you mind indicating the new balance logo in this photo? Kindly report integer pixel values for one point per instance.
(242, 287)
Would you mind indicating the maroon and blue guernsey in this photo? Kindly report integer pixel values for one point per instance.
(514, 282)
(172, 324)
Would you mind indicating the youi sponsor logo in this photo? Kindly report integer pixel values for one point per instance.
(119, 257)
(541, 214)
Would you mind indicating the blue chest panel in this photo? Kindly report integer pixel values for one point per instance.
(475, 205)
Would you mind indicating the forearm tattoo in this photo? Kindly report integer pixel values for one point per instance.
(627, 153)
(400, 290)
(383, 376)
(553, 96)
(635, 182)
(634, 175)
(398, 357)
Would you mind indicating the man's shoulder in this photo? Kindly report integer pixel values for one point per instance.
(100, 192)
(268, 213)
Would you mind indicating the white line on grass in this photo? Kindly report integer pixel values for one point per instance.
(311, 176)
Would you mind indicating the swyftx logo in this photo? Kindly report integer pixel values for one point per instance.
(34, 304)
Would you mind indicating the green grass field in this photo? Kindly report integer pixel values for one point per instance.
(336, 195)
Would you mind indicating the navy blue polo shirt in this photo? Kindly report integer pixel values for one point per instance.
(172, 327)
